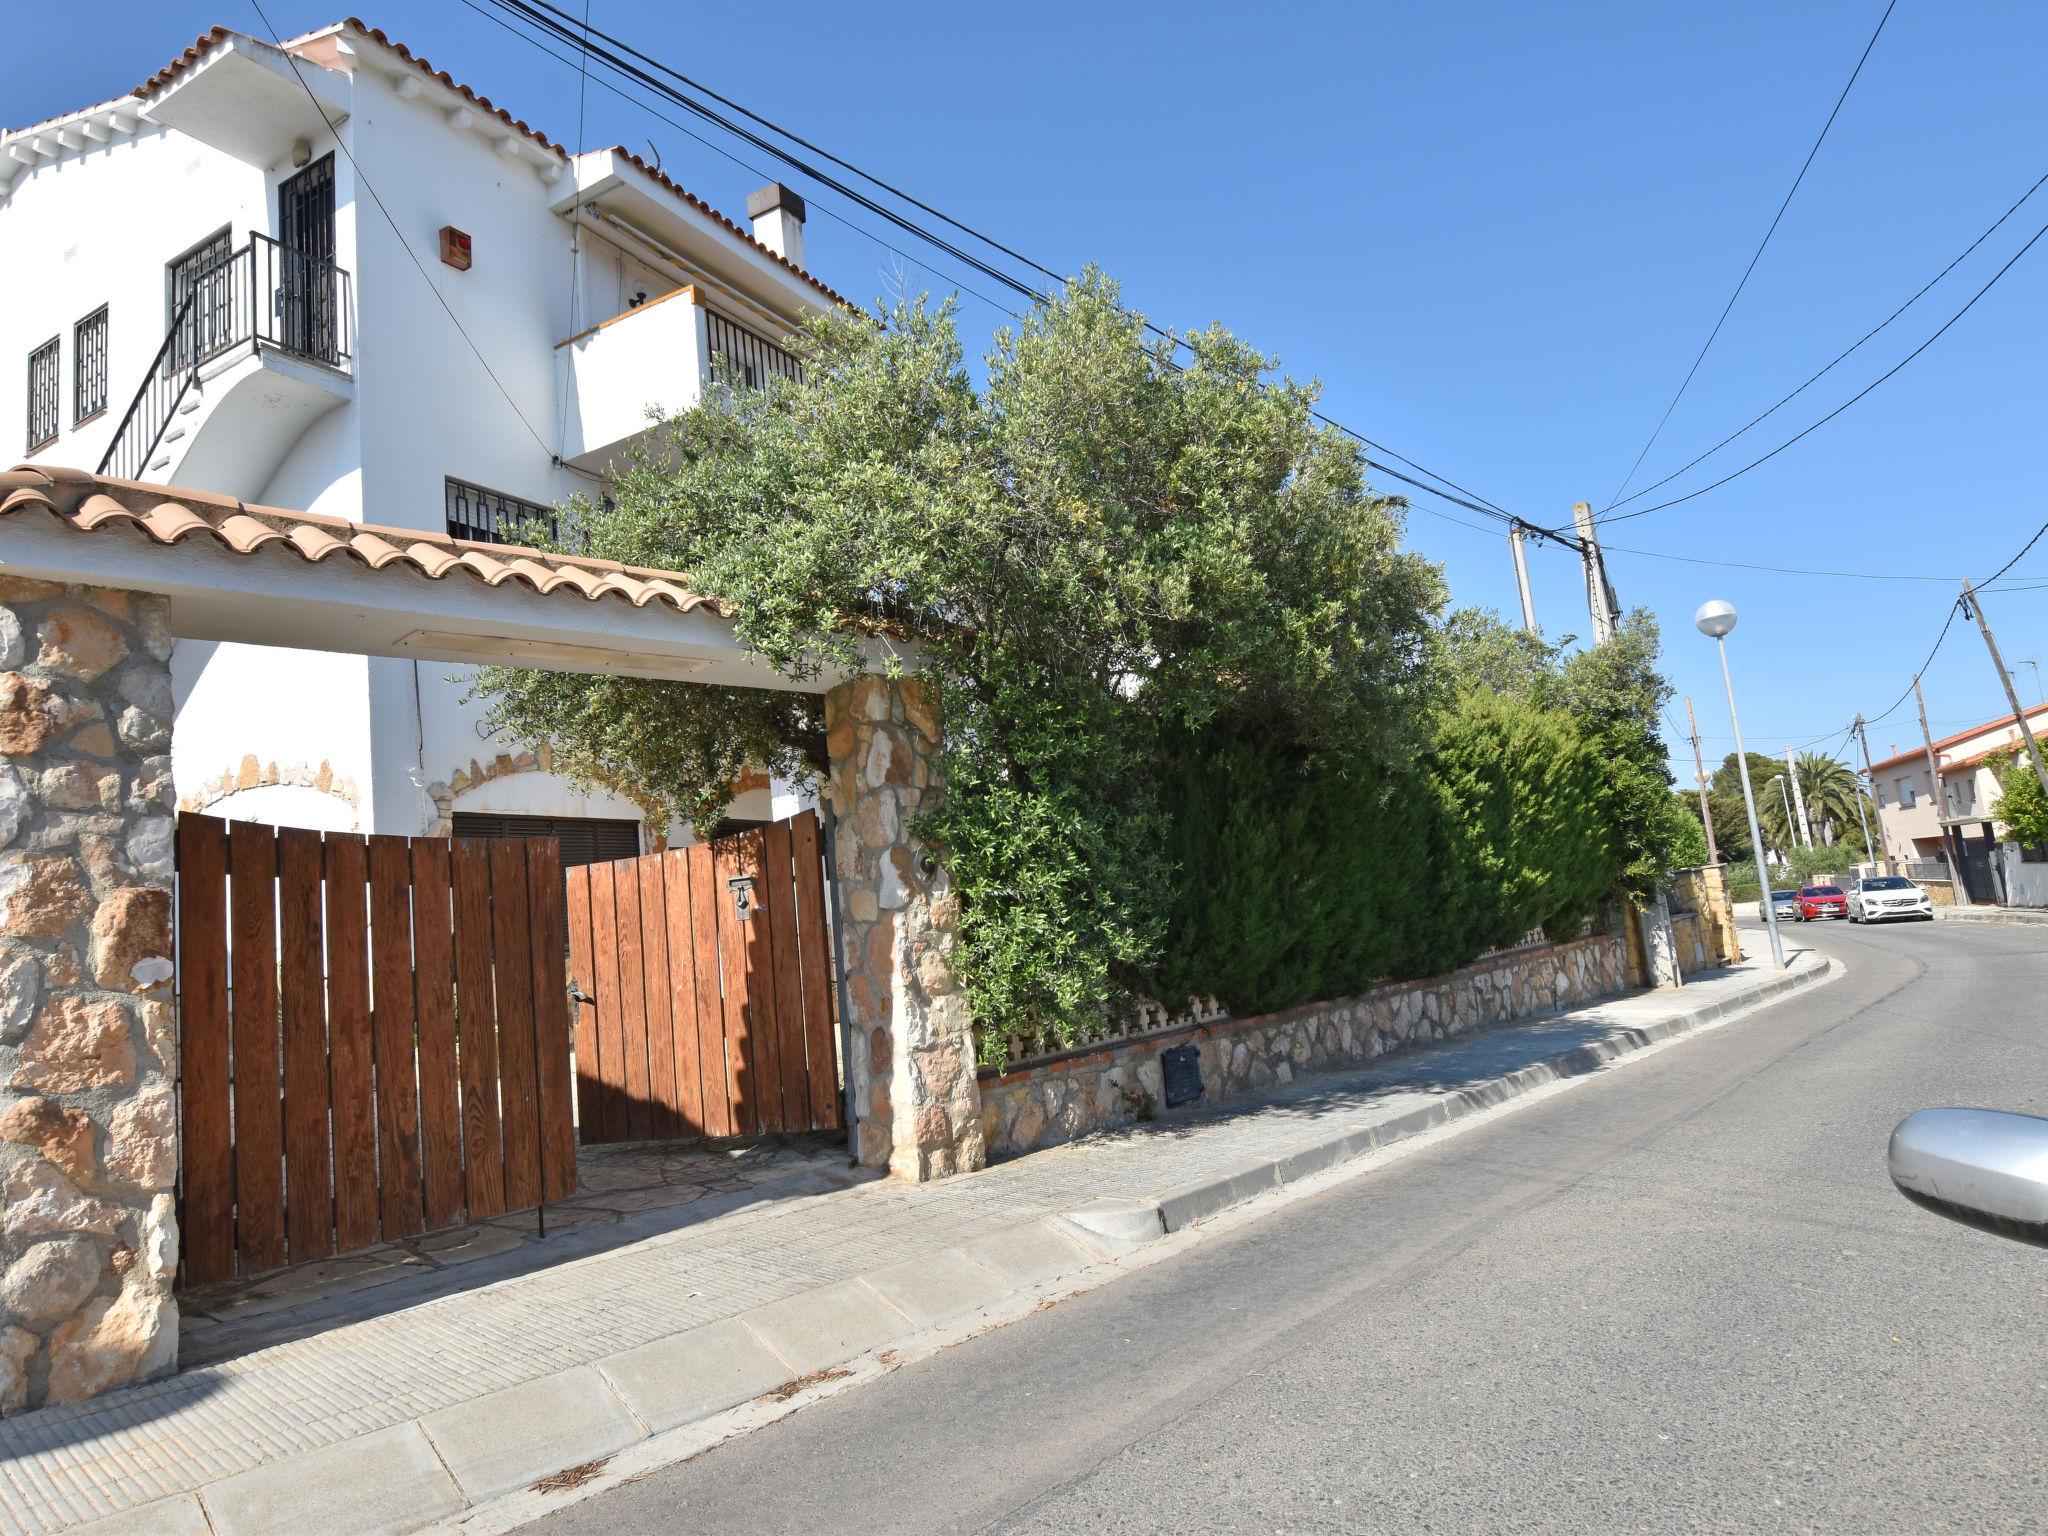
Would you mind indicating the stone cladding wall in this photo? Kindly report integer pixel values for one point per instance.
(912, 1066)
(88, 1119)
(1038, 1105)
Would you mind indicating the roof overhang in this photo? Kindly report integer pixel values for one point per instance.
(612, 184)
(263, 576)
(246, 99)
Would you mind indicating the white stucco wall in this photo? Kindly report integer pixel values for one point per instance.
(98, 226)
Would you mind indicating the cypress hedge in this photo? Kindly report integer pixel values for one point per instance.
(1297, 878)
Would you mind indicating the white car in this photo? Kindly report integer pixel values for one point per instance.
(1887, 896)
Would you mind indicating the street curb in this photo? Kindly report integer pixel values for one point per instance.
(1122, 1230)
(1198, 1201)
(2017, 917)
(863, 1328)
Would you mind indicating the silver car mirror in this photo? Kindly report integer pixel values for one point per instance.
(1987, 1168)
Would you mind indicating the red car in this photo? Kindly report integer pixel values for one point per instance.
(1817, 901)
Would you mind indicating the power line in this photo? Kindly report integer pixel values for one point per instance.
(723, 152)
(536, 13)
(2016, 559)
(1781, 570)
(1728, 308)
(420, 266)
(1831, 415)
(1839, 357)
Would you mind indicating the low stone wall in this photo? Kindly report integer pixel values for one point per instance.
(88, 1124)
(1043, 1103)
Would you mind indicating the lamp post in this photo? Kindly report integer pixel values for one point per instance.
(1714, 619)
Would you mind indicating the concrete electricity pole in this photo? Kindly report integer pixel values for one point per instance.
(1600, 600)
(1521, 559)
(1700, 767)
(1870, 781)
(1798, 799)
(1975, 607)
(1955, 875)
(1869, 850)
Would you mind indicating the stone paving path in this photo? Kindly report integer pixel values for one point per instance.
(358, 1358)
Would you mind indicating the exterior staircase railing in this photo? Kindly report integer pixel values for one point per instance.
(266, 295)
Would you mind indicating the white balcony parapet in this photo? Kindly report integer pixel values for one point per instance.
(651, 359)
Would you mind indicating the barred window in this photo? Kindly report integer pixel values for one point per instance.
(43, 394)
(89, 366)
(740, 357)
(492, 517)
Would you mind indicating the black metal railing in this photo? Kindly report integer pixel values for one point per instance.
(485, 516)
(264, 295)
(740, 357)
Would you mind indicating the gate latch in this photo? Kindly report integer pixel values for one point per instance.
(742, 888)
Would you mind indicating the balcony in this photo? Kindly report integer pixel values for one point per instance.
(257, 350)
(654, 359)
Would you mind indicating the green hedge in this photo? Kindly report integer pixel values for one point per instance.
(1296, 879)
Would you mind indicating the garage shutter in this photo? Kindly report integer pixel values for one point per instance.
(584, 839)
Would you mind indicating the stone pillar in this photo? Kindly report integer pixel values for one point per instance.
(88, 1121)
(916, 1103)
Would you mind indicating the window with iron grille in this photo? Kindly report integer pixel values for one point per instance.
(740, 357)
(584, 839)
(491, 517)
(43, 394)
(205, 275)
(89, 365)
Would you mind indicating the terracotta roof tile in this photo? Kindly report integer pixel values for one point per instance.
(201, 46)
(484, 102)
(1919, 754)
(205, 44)
(88, 504)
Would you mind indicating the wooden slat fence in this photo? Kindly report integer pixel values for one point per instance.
(374, 1035)
(696, 1021)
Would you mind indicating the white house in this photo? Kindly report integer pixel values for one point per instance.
(325, 277)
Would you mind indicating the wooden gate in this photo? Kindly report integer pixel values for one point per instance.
(374, 1034)
(703, 983)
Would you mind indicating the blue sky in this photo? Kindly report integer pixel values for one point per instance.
(1497, 232)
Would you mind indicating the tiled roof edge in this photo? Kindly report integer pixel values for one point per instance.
(167, 515)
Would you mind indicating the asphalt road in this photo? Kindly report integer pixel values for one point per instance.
(1682, 1296)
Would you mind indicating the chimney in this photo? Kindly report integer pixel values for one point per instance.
(778, 216)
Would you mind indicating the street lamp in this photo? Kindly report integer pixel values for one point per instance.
(1714, 619)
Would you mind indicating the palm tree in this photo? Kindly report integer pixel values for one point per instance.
(1832, 797)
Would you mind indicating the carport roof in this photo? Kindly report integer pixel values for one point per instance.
(168, 516)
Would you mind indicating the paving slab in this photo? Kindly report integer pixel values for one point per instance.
(387, 1481)
(937, 1287)
(692, 1375)
(772, 1265)
(509, 1439)
(180, 1516)
(826, 1327)
(1030, 1255)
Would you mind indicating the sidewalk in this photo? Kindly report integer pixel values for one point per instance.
(416, 1416)
(1991, 914)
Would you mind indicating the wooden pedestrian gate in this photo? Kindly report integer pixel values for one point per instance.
(702, 977)
(374, 1037)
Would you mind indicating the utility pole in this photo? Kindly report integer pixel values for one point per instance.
(1870, 783)
(1791, 832)
(1955, 877)
(1600, 600)
(1521, 559)
(1805, 827)
(1700, 767)
(1973, 605)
